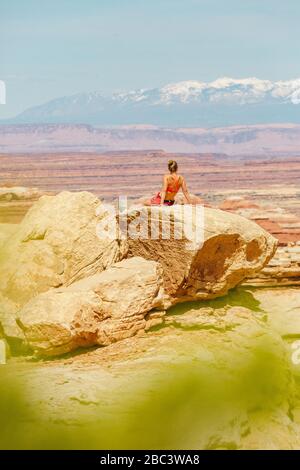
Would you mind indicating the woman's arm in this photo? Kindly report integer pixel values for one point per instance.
(185, 191)
(164, 190)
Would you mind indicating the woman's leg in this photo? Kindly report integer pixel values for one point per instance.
(154, 201)
(147, 202)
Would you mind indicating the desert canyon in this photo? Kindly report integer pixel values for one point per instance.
(92, 323)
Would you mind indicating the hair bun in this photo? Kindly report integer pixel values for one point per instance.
(172, 165)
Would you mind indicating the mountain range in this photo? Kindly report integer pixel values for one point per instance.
(223, 102)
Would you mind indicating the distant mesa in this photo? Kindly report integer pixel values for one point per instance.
(250, 140)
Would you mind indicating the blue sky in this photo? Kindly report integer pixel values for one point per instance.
(60, 47)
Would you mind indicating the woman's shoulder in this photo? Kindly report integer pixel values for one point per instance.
(169, 178)
(167, 175)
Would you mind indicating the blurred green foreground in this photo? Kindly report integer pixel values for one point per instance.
(190, 405)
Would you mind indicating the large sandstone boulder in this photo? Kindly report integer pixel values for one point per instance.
(227, 249)
(56, 244)
(100, 309)
(59, 273)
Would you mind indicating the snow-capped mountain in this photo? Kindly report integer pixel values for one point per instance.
(225, 101)
(232, 91)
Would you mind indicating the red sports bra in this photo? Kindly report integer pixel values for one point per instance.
(174, 186)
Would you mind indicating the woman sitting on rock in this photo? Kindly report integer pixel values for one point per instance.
(171, 185)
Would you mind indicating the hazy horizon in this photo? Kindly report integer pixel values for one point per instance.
(66, 47)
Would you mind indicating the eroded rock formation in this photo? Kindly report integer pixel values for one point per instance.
(220, 250)
(56, 244)
(233, 345)
(64, 276)
(282, 270)
(19, 193)
(100, 309)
